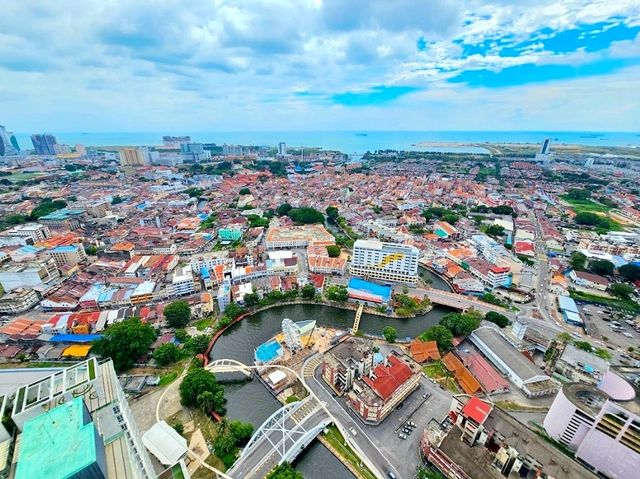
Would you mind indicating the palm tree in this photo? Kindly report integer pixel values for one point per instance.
(206, 401)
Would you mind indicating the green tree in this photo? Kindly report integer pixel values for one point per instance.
(425, 473)
(206, 401)
(47, 206)
(497, 318)
(602, 267)
(441, 335)
(502, 210)
(308, 291)
(495, 230)
(390, 334)
(197, 344)
(125, 342)
(337, 293)
(283, 209)
(233, 310)
(241, 432)
(166, 354)
(563, 337)
(603, 353)
(621, 290)
(91, 250)
(332, 212)
(251, 299)
(245, 191)
(461, 324)
(630, 272)
(578, 261)
(284, 471)
(450, 218)
(198, 381)
(585, 346)
(333, 251)
(305, 215)
(178, 314)
(588, 219)
(116, 200)
(578, 194)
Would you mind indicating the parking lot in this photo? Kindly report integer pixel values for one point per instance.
(600, 325)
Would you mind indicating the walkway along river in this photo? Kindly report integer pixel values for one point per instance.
(249, 400)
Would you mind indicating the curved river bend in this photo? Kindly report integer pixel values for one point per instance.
(250, 401)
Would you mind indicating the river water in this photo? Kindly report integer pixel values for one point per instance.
(250, 401)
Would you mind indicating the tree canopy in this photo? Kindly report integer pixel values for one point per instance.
(284, 471)
(497, 318)
(337, 293)
(47, 206)
(166, 354)
(178, 314)
(283, 209)
(308, 291)
(332, 212)
(630, 271)
(602, 267)
(390, 334)
(495, 231)
(125, 342)
(621, 290)
(461, 324)
(578, 261)
(305, 215)
(199, 381)
(333, 251)
(441, 335)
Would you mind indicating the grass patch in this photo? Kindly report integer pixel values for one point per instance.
(167, 379)
(435, 370)
(335, 438)
(204, 323)
(588, 206)
(439, 373)
(514, 406)
(624, 304)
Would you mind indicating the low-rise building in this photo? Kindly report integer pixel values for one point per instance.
(485, 442)
(298, 237)
(508, 360)
(37, 275)
(66, 219)
(375, 395)
(33, 231)
(578, 365)
(589, 280)
(69, 255)
(347, 361)
(18, 301)
(182, 282)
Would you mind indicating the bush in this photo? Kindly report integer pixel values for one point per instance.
(284, 471)
(197, 344)
(245, 191)
(337, 293)
(308, 291)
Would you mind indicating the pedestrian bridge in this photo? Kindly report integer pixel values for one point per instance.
(282, 437)
(228, 366)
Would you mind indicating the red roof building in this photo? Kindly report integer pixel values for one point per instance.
(375, 396)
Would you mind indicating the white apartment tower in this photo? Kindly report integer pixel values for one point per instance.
(385, 261)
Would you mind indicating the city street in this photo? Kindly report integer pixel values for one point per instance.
(381, 443)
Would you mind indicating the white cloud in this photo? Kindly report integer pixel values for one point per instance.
(233, 64)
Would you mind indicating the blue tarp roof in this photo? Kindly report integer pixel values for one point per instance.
(204, 272)
(74, 338)
(371, 288)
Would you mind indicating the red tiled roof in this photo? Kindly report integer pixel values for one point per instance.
(423, 350)
(476, 409)
(389, 378)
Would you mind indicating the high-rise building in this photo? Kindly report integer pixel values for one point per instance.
(72, 422)
(8, 143)
(44, 143)
(385, 261)
(544, 148)
(133, 156)
(282, 148)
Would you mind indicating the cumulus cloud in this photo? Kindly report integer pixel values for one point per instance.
(265, 64)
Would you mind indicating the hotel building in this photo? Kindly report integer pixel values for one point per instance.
(385, 261)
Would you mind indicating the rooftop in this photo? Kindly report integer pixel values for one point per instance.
(60, 443)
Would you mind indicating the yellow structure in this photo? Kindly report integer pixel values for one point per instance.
(390, 258)
(77, 351)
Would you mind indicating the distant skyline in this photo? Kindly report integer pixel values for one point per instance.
(357, 65)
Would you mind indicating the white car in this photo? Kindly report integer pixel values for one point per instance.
(628, 335)
(353, 431)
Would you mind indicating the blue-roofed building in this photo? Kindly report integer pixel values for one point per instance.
(368, 293)
(63, 219)
(74, 338)
(569, 310)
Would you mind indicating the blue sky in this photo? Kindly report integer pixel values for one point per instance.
(203, 65)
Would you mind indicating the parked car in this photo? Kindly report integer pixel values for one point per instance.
(353, 431)
(402, 436)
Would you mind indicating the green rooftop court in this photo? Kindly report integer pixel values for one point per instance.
(61, 443)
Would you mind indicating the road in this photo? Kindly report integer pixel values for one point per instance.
(381, 443)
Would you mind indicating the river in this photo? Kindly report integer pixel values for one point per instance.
(250, 401)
